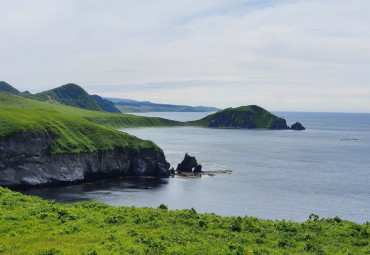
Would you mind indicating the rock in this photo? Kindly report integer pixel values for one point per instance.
(172, 171)
(297, 126)
(26, 161)
(279, 124)
(189, 164)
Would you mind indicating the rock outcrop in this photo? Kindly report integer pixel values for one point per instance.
(189, 164)
(297, 126)
(25, 160)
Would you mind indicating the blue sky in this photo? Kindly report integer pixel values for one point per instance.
(309, 55)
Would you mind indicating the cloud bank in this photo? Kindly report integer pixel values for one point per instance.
(305, 55)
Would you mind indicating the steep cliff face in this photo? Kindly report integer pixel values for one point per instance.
(25, 159)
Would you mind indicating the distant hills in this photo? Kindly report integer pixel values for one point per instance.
(74, 95)
(107, 105)
(128, 105)
(5, 87)
(70, 94)
(248, 117)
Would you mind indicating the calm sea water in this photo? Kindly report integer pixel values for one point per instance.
(275, 174)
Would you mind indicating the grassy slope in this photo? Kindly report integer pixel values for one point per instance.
(237, 117)
(70, 94)
(72, 134)
(113, 120)
(75, 130)
(30, 225)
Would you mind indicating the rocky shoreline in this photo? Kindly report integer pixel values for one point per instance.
(25, 161)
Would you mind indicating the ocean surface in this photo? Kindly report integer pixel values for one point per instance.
(275, 174)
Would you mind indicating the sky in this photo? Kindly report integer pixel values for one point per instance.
(284, 55)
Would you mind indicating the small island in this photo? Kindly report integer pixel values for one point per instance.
(248, 117)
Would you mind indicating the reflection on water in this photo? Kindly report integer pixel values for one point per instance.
(80, 192)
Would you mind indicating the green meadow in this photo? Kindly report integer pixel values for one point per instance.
(30, 225)
(73, 130)
(112, 120)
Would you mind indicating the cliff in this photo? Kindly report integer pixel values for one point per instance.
(45, 147)
(25, 160)
(249, 117)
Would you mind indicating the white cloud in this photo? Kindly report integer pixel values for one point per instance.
(284, 55)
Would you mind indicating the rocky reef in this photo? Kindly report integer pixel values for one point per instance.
(25, 160)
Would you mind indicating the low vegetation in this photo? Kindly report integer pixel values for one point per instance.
(70, 94)
(70, 134)
(112, 120)
(251, 116)
(30, 225)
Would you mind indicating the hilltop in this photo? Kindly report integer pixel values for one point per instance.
(70, 94)
(128, 105)
(249, 117)
(5, 87)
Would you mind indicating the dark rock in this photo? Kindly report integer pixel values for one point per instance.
(297, 126)
(26, 161)
(279, 124)
(172, 171)
(189, 164)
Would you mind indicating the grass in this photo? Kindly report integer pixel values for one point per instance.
(30, 225)
(112, 120)
(70, 134)
(251, 116)
(70, 94)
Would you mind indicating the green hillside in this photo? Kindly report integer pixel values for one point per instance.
(251, 116)
(112, 120)
(30, 225)
(5, 87)
(105, 104)
(69, 134)
(70, 94)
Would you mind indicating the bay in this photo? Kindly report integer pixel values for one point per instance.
(275, 174)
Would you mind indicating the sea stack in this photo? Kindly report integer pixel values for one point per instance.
(297, 126)
(189, 164)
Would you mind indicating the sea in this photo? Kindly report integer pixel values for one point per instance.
(276, 174)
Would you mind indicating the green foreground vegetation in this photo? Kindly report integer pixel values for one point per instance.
(30, 225)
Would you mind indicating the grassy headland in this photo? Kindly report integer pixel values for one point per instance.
(73, 130)
(251, 116)
(70, 134)
(30, 225)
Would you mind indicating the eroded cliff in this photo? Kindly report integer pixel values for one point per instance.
(26, 160)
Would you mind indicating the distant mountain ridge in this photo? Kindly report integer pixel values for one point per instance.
(5, 87)
(128, 105)
(73, 95)
(107, 105)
